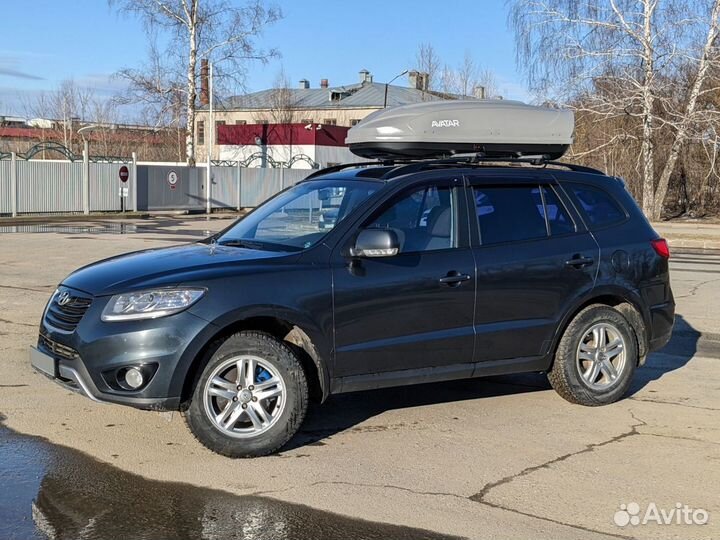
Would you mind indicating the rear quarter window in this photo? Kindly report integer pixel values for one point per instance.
(599, 207)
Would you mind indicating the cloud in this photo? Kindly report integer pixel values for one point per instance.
(9, 72)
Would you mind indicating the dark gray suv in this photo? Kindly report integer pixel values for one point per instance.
(430, 271)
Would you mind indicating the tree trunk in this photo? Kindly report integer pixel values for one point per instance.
(191, 86)
(681, 133)
(648, 151)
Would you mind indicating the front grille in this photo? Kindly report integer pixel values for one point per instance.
(57, 349)
(67, 316)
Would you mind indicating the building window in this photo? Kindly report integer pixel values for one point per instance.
(261, 122)
(218, 123)
(306, 121)
(200, 132)
(240, 122)
(330, 121)
(354, 121)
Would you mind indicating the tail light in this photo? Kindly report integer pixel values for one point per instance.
(661, 247)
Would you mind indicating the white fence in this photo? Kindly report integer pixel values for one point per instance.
(55, 186)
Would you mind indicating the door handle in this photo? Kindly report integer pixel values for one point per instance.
(454, 278)
(579, 262)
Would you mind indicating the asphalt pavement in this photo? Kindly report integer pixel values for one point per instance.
(501, 457)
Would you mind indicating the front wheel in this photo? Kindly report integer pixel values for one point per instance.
(251, 397)
(596, 357)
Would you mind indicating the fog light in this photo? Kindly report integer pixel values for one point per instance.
(134, 378)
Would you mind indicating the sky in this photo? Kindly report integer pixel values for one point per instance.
(47, 41)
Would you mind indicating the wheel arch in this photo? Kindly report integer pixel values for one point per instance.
(625, 301)
(291, 329)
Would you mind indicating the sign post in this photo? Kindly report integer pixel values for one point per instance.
(124, 174)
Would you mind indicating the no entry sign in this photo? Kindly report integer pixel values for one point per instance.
(172, 179)
(124, 174)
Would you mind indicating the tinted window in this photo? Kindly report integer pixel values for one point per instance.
(509, 214)
(599, 207)
(422, 219)
(558, 219)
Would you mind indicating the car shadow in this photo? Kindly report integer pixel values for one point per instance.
(681, 348)
(346, 411)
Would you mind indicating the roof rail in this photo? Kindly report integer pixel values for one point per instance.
(538, 161)
(406, 166)
(336, 168)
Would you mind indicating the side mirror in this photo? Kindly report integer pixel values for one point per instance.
(376, 243)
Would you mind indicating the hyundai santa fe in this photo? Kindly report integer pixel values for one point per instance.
(430, 271)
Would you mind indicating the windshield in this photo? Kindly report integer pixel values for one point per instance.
(301, 216)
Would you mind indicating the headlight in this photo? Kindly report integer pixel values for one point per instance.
(150, 304)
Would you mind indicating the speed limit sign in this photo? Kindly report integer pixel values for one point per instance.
(172, 179)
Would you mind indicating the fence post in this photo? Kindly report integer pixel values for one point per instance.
(239, 186)
(134, 182)
(208, 176)
(282, 178)
(86, 180)
(13, 184)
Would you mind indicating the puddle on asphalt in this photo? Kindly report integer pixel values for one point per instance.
(61, 494)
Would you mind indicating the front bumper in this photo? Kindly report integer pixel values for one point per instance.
(71, 378)
(86, 359)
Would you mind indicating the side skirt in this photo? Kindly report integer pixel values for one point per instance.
(387, 379)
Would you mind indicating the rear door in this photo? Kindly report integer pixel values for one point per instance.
(533, 258)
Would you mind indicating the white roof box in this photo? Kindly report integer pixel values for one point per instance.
(495, 128)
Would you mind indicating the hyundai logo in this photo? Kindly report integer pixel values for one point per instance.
(63, 298)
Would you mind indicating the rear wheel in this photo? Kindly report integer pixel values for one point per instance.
(596, 358)
(251, 397)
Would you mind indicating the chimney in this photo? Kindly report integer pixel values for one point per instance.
(419, 80)
(479, 92)
(324, 83)
(365, 76)
(204, 75)
(304, 84)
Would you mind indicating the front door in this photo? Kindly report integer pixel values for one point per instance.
(414, 309)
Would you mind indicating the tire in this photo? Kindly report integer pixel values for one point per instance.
(244, 430)
(580, 372)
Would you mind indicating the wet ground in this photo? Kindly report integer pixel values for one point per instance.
(501, 457)
(53, 492)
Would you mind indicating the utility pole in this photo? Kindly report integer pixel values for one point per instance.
(388, 84)
(211, 140)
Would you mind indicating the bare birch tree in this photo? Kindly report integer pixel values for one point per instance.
(467, 77)
(195, 29)
(645, 59)
(428, 61)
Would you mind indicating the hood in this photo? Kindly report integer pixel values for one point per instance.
(165, 267)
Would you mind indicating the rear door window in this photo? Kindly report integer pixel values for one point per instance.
(509, 213)
(599, 207)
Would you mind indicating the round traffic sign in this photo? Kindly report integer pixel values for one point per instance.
(172, 179)
(124, 174)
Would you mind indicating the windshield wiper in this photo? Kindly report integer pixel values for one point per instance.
(243, 243)
(253, 244)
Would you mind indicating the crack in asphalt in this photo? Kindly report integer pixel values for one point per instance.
(650, 400)
(679, 437)
(480, 495)
(556, 521)
(694, 289)
(44, 288)
(6, 321)
(444, 494)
